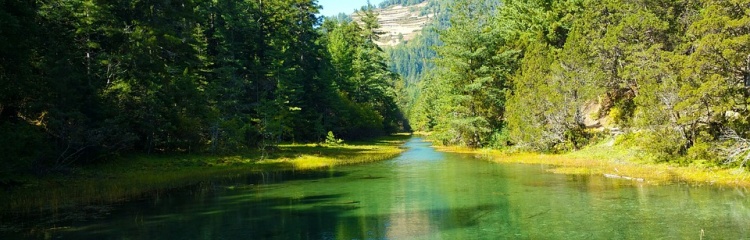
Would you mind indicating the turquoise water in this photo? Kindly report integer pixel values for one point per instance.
(422, 194)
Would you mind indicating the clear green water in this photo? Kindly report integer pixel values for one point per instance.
(424, 194)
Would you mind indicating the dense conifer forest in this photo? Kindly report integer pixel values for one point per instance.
(671, 78)
(83, 81)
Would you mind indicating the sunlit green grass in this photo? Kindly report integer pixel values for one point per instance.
(133, 176)
(617, 161)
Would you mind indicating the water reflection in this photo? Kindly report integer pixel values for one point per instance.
(423, 194)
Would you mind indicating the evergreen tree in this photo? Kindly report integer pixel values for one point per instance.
(471, 77)
(94, 78)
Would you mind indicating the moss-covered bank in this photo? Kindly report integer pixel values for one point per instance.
(133, 176)
(621, 162)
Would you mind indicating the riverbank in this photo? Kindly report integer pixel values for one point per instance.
(619, 162)
(134, 176)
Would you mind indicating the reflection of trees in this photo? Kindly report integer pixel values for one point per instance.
(453, 197)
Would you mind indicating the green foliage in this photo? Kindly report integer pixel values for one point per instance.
(368, 97)
(332, 140)
(414, 58)
(86, 79)
(530, 120)
(622, 112)
(662, 144)
(703, 153)
(674, 71)
(500, 140)
(470, 79)
(23, 145)
(423, 110)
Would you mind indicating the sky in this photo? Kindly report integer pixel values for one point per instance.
(334, 7)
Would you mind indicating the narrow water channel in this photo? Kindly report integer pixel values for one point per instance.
(424, 194)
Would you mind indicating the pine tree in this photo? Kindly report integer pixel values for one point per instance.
(471, 79)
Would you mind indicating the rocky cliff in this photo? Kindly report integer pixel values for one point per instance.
(399, 23)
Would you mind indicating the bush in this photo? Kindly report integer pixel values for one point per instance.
(622, 112)
(332, 140)
(662, 145)
(500, 139)
(575, 138)
(616, 115)
(21, 145)
(702, 154)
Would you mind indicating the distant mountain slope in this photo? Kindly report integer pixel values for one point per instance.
(400, 23)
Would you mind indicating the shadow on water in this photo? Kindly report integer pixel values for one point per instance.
(43, 223)
(258, 206)
(278, 177)
(326, 216)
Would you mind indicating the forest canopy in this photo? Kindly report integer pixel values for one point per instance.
(84, 80)
(669, 77)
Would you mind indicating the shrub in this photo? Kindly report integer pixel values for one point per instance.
(500, 139)
(332, 140)
(704, 149)
(663, 145)
(21, 145)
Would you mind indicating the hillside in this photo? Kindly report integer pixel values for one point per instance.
(400, 23)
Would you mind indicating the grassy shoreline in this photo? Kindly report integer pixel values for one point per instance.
(133, 176)
(617, 162)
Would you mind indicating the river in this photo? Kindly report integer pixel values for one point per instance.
(422, 194)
